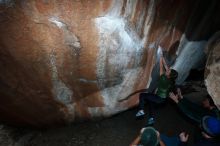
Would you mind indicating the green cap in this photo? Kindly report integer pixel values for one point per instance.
(149, 137)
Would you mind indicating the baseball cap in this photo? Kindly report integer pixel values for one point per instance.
(149, 137)
(211, 126)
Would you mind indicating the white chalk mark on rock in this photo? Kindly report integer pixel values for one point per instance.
(60, 91)
(57, 22)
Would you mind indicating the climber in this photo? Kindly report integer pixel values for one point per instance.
(195, 111)
(166, 85)
(150, 137)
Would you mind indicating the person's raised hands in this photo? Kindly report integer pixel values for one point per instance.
(174, 97)
(184, 137)
(179, 93)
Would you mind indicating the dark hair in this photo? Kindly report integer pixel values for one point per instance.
(173, 74)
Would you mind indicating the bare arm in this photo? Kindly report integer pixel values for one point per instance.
(136, 141)
(174, 97)
(165, 64)
(162, 143)
(161, 65)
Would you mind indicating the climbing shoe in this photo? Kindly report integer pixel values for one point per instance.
(140, 113)
(150, 121)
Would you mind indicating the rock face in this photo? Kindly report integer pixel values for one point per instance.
(64, 61)
(213, 68)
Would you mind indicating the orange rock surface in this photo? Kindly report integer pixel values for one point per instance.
(68, 60)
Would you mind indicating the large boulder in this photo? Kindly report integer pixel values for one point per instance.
(64, 61)
(212, 73)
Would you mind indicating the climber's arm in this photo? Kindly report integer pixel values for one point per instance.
(161, 65)
(165, 64)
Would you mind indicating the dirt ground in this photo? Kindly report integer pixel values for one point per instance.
(118, 130)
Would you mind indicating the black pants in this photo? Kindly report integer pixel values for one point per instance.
(150, 99)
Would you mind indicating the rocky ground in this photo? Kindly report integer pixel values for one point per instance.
(118, 130)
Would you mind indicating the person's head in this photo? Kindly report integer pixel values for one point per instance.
(210, 127)
(172, 74)
(149, 137)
